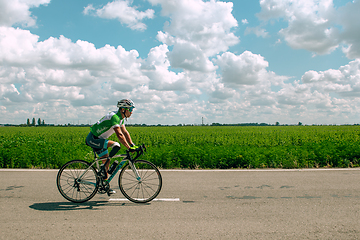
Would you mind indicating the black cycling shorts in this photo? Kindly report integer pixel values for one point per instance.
(98, 144)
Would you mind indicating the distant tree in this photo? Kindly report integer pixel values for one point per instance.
(39, 122)
(28, 122)
(300, 123)
(43, 122)
(33, 122)
(277, 124)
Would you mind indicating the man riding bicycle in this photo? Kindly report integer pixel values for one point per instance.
(112, 122)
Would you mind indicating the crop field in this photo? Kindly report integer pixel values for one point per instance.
(193, 146)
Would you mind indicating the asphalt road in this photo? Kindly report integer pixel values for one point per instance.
(300, 204)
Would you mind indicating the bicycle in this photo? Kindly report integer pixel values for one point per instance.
(139, 181)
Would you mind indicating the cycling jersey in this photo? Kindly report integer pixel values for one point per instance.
(104, 128)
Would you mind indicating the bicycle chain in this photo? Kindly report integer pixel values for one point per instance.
(103, 187)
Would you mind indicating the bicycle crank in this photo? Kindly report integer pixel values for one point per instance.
(104, 187)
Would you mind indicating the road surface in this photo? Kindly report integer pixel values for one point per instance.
(193, 204)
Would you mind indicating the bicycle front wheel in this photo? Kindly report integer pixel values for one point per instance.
(144, 189)
(77, 181)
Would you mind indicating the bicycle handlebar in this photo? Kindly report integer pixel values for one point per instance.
(139, 151)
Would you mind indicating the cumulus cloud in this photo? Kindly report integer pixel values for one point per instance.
(122, 11)
(348, 17)
(244, 69)
(17, 12)
(220, 92)
(58, 69)
(323, 96)
(189, 56)
(156, 68)
(344, 81)
(316, 26)
(21, 47)
(197, 30)
(310, 23)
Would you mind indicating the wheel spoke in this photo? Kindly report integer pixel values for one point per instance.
(145, 189)
(71, 186)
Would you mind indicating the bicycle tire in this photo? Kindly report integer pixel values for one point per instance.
(140, 191)
(69, 185)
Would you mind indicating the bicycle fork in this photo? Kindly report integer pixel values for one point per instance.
(133, 168)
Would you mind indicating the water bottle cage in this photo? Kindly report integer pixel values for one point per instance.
(113, 167)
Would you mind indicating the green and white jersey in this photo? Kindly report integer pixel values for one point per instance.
(104, 128)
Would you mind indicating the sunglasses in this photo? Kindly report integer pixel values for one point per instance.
(130, 109)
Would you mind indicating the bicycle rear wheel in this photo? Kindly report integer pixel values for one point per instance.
(145, 189)
(76, 181)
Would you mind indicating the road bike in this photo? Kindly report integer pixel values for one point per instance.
(140, 181)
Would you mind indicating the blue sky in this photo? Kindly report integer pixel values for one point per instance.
(242, 61)
(58, 18)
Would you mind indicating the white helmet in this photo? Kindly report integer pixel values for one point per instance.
(125, 103)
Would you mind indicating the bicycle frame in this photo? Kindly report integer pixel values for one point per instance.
(125, 158)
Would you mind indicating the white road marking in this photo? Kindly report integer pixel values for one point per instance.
(156, 199)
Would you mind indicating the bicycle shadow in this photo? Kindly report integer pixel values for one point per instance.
(70, 206)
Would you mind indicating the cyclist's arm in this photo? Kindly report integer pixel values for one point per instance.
(121, 137)
(126, 134)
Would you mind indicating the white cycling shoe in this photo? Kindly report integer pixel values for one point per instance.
(110, 192)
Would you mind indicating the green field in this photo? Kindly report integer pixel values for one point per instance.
(193, 146)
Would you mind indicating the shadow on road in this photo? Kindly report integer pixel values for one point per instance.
(69, 206)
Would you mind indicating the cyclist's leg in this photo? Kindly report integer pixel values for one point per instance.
(100, 146)
(115, 147)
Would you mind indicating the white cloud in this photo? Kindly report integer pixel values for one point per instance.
(316, 26)
(58, 69)
(244, 69)
(348, 17)
(323, 96)
(345, 81)
(22, 47)
(294, 95)
(220, 92)
(258, 31)
(17, 12)
(310, 23)
(189, 56)
(17, 45)
(156, 68)
(10, 95)
(197, 30)
(122, 11)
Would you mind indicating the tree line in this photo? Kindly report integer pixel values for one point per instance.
(39, 122)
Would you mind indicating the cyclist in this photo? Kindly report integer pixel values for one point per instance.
(112, 122)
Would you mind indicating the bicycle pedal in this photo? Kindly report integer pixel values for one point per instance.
(110, 192)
